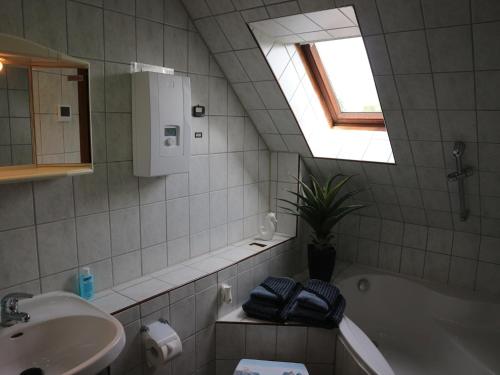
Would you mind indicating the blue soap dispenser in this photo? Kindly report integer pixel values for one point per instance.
(86, 283)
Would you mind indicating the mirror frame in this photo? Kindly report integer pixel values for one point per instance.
(15, 50)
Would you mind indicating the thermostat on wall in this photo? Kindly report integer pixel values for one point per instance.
(64, 113)
(198, 111)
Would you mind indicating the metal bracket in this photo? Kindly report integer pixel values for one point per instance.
(454, 176)
(145, 328)
(459, 176)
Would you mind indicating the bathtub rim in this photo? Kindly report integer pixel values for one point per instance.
(363, 366)
(362, 350)
(357, 270)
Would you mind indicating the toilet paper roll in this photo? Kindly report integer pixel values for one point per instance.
(161, 343)
(157, 355)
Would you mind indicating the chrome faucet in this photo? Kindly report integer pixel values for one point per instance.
(10, 314)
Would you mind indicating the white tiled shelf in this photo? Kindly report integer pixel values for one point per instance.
(136, 291)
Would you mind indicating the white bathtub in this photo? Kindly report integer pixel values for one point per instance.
(419, 328)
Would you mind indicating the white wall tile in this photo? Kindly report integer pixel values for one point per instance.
(199, 208)
(126, 267)
(93, 238)
(153, 224)
(24, 242)
(199, 179)
(125, 230)
(177, 218)
(218, 208)
(218, 171)
(57, 246)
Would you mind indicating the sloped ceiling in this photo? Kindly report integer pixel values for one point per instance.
(437, 69)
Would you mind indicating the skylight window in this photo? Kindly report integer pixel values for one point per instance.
(341, 72)
(320, 62)
(349, 73)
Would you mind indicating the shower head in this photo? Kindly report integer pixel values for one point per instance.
(458, 149)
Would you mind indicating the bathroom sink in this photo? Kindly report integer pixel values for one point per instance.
(65, 335)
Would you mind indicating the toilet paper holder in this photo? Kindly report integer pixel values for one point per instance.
(161, 342)
(145, 328)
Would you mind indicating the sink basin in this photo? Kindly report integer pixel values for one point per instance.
(65, 335)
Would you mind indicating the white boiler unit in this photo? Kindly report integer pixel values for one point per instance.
(161, 112)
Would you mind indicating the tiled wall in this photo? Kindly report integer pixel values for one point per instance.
(15, 125)
(193, 309)
(120, 225)
(285, 168)
(288, 67)
(315, 347)
(436, 71)
(460, 259)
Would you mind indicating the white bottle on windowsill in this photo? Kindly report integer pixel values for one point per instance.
(266, 231)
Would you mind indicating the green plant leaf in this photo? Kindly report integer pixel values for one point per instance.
(322, 206)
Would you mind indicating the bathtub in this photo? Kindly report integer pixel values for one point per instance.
(419, 328)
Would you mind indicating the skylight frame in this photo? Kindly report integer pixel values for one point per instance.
(319, 78)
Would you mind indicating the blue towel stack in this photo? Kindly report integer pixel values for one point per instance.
(319, 304)
(269, 300)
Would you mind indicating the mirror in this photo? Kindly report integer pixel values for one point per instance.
(56, 104)
(16, 145)
(45, 125)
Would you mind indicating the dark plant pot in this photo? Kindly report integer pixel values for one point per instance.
(321, 262)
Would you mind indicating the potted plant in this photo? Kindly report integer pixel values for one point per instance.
(322, 207)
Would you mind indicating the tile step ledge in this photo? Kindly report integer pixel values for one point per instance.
(238, 316)
(134, 292)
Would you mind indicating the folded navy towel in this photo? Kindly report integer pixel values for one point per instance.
(330, 319)
(264, 296)
(300, 312)
(325, 291)
(260, 311)
(291, 302)
(281, 287)
(311, 301)
(338, 311)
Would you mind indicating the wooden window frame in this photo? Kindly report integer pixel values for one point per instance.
(321, 83)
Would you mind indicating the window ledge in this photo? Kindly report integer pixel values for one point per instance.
(352, 144)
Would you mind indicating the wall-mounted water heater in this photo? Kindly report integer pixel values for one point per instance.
(161, 111)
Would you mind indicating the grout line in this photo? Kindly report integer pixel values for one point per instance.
(476, 273)
(35, 227)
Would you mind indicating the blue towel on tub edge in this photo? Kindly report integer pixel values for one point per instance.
(256, 309)
(280, 289)
(309, 300)
(263, 296)
(260, 311)
(324, 291)
(331, 319)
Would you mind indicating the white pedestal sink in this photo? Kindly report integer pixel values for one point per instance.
(65, 335)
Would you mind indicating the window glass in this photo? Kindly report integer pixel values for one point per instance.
(347, 67)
